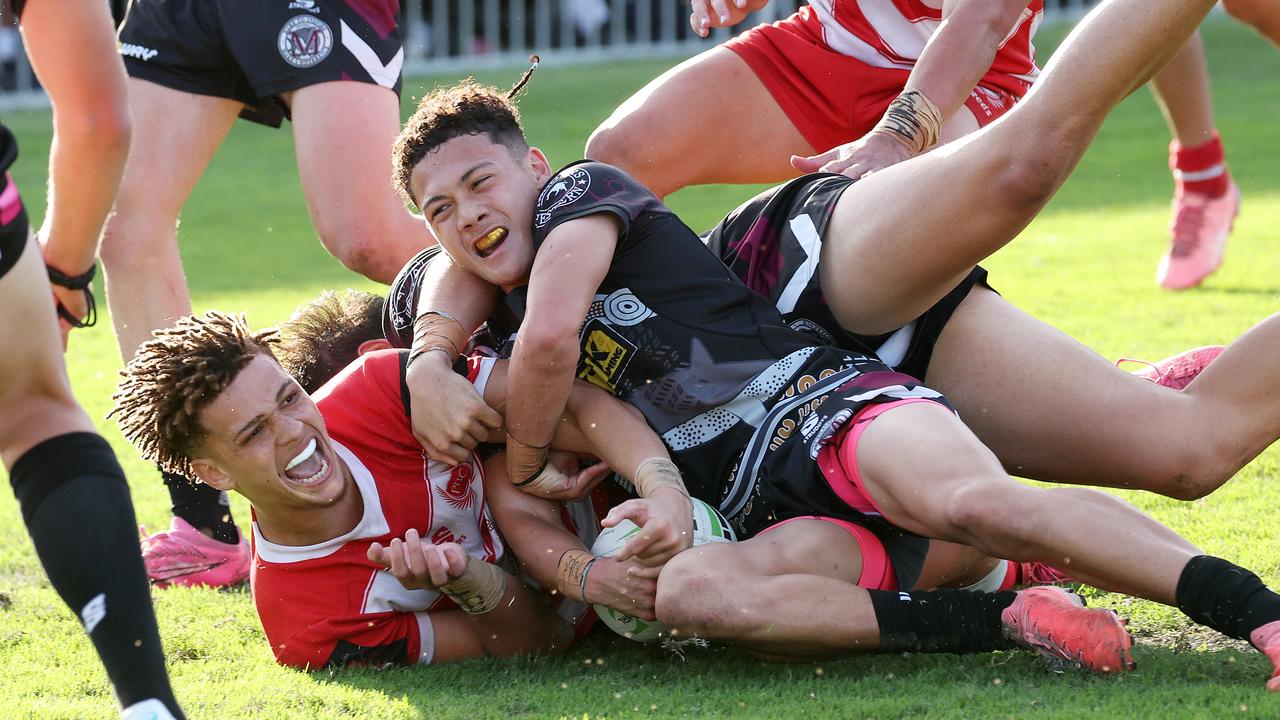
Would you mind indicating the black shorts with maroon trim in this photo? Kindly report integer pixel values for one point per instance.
(779, 476)
(256, 50)
(772, 243)
(13, 216)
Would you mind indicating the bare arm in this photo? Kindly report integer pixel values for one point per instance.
(520, 622)
(566, 273)
(72, 49)
(534, 532)
(952, 63)
(449, 418)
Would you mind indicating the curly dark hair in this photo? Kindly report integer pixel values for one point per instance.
(468, 108)
(174, 376)
(324, 335)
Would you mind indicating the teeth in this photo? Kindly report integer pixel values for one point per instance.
(324, 468)
(302, 456)
(493, 237)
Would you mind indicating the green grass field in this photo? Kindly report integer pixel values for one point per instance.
(1086, 266)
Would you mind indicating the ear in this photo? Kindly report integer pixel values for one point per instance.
(539, 164)
(369, 346)
(209, 474)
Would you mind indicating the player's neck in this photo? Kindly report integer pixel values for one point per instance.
(299, 527)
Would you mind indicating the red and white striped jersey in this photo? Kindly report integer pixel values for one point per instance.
(893, 33)
(327, 604)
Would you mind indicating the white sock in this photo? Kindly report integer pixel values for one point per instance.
(146, 710)
(993, 580)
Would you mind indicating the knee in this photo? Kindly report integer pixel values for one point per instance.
(610, 144)
(359, 251)
(1196, 470)
(1253, 12)
(996, 516)
(683, 589)
(1030, 179)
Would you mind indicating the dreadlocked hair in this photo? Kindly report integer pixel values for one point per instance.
(324, 335)
(467, 108)
(177, 374)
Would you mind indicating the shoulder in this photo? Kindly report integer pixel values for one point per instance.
(589, 186)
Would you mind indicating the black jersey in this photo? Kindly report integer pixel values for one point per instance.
(673, 331)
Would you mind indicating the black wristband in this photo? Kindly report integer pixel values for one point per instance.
(76, 282)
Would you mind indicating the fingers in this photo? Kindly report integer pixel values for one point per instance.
(699, 17)
(721, 9)
(633, 510)
(810, 164)
(376, 553)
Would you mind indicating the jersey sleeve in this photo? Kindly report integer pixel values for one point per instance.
(367, 404)
(587, 188)
(389, 638)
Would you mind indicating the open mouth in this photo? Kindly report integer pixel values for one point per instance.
(490, 241)
(308, 467)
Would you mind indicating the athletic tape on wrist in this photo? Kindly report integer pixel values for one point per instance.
(430, 332)
(525, 462)
(913, 120)
(655, 473)
(571, 572)
(478, 589)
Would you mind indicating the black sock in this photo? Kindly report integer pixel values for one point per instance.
(1226, 597)
(76, 506)
(941, 621)
(202, 506)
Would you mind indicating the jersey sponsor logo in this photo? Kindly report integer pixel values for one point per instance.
(457, 491)
(445, 535)
(622, 307)
(308, 5)
(561, 191)
(137, 51)
(605, 355)
(305, 41)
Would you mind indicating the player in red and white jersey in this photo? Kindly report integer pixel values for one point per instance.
(814, 91)
(338, 482)
(894, 33)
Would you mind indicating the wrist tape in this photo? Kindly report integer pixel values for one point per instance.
(571, 572)
(656, 473)
(913, 120)
(479, 589)
(525, 462)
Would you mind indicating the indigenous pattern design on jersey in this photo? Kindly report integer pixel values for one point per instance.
(674, 333)
(327, 604)
(779, 476)
(773, 242)
(893, 33)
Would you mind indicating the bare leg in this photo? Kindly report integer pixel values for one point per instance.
(773, 594)
(928, 474)
(674, 131)
(342, 161)
(1051, 409)
(35, 398)
(888, 255)
(1262, 15)
(1182, 91)
(175, 136)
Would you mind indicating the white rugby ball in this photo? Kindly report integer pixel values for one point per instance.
(708, 527)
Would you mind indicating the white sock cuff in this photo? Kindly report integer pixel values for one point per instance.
(146, 710)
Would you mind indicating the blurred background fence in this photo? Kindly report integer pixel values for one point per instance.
(465, 35)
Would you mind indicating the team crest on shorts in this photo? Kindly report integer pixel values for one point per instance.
(305, 41)
(559, 192)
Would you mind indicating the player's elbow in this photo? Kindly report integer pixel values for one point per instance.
(550, 343)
